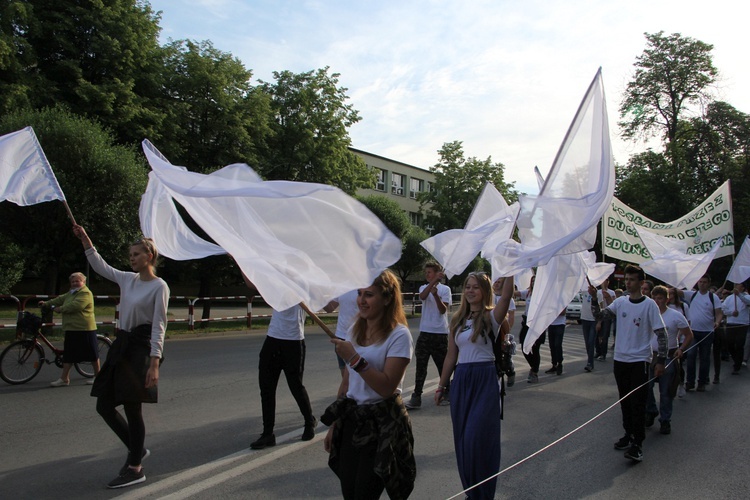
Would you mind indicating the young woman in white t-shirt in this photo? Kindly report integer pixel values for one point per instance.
(475, 390)
(130, 375)
(377, 352)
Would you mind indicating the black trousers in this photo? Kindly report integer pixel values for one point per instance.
(629, 376)
(358, 481)
(735, 343)
(279, 355)
(534, 358)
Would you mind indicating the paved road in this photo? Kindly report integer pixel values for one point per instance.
(53, 445)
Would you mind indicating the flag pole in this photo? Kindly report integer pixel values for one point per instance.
(317, 320)
(70, 214)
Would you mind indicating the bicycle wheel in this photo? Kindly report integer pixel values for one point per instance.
(85, 368)
(21, 361)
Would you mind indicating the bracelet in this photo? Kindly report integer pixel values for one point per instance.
(441, 386)
(438, 391)
(361, 365)
(350, 359)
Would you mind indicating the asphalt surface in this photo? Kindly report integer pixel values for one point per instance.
(557, 436)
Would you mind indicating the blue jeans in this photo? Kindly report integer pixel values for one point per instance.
(665, 396)
(555, 334)
(589, 338)
(603, 338)
(702, 353)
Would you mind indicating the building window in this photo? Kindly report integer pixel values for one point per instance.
(380, 183)
(430, 186)
(415, 218)
(415, 186)
(397, 184)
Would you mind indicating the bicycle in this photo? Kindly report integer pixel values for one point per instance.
(23, 359)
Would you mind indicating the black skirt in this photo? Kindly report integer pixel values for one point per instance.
(123, 376)
(80, 346)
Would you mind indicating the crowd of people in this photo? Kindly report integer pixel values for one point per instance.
(657, 329)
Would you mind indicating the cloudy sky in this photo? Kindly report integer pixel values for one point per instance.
(503, 76)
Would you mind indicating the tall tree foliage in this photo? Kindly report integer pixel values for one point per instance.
(672, 73)
(311, 118)
(215, 115)
(102, 183)
(458, 184)
(101, 59)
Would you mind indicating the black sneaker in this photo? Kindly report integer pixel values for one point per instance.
(689, 387)
(666, 428)
(129, 478)
(264, 441)
(717, 380)
(144, 456)
(701, 388)
(552, 370)
(634, 453)
(623, 443)
(650, 419)
(414, 402)
(559, 369)
(309, 431)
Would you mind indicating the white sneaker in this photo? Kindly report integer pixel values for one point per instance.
(59, 383)
(681, 391)
(90, 381)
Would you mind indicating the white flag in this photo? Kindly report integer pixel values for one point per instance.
(671, 261)
(562, 219)
(296, 241)
(740, 270)
(26, 177)
(491, 223)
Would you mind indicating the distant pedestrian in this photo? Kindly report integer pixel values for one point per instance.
(605, 296)
(533, 358)
(736, 309)
(348, 310)
(705, 317)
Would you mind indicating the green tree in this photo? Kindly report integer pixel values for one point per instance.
(215, 116)
(413, 255)
(388, 212)
(12, 261)
(458, 184)
(101, 59)
(102, 183)
(311, 138)
(672, 73)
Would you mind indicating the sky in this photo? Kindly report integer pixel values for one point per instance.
(505, 77)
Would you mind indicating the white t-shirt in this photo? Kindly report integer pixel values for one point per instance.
(432, 321)
(348, 311)
(511, 305)
(674, 321)
(586, 313)
(141, 302)
(288, 324)
(683, 309)
(701, 314)
(636, 323)
(479, 351)
(559, 320)
(397, 345)
(737, 303)
(600, 297)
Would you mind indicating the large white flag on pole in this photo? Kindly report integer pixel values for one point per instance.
(26, 177)
(562, 219)
(296, 241)
(740, 270)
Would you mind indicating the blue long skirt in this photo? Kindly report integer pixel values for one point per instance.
(475, 411)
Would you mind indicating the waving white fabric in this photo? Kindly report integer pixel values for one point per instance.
(556, 284)
(577, 191)
(670, 261)
(491, 223)
(740, 270)
(26, 177)
(297, 242)
(161, 221)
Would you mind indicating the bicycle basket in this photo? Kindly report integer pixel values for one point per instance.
(29, 323)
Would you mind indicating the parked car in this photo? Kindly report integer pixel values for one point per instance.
(573, 311)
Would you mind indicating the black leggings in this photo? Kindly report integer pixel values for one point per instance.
(132, 433)
(534, 358)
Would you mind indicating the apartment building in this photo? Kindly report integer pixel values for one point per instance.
(400, 182)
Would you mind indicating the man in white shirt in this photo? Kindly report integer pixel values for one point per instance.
(677, 327)
(736, 309)
(605, 296)
(705, 317)
(638, 319)
(433, 330)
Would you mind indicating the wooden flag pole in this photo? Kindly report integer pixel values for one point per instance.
(317, 320)
(70, 214)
